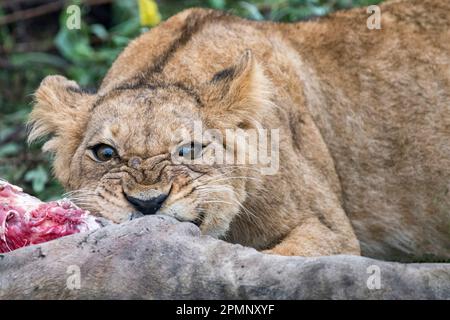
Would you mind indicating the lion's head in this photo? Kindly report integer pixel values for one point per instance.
(132, 150)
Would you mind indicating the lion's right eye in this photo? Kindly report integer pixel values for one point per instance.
(190, 151)
(103, 152)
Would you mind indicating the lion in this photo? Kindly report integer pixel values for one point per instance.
(363, 120)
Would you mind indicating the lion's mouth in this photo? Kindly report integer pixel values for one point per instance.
(199, 220)
(135, 215)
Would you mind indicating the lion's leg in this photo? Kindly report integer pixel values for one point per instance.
(314, 238)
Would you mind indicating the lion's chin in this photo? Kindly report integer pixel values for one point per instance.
(218, 231)
(216, 228)
(206, 226)
(115, 214)
(135, 215)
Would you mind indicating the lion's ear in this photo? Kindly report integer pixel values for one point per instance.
(60, 111)
(241, 91)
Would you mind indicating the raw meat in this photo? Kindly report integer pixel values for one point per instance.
(25, 220)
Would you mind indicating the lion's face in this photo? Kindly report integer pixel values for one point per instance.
(134, 151)
(133, 160)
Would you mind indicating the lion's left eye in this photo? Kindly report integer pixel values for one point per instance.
(103, 152)
(190, 151)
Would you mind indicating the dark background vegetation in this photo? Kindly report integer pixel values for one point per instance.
(35, 43)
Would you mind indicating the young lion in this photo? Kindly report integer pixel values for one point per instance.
(363, 118)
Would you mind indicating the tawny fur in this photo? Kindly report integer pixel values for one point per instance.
(364, 118)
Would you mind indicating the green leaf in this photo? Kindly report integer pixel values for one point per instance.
(120, 41)
(129, 28)
(99, 31)
(9, 149)
(217, 4)
(38, 178)
(253, 11)
(4, 132)
(74, 45)
(36, 58)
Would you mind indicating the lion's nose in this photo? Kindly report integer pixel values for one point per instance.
(147, 206)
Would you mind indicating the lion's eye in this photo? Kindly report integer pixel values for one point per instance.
(190, 151)
(103, 152)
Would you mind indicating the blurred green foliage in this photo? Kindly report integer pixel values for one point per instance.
(85, 55)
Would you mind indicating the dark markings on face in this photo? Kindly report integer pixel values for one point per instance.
(192, 26)
(198, 168)
(201, 217)
(161, 171)
(79, 90)
(190, 191)
(149, 86)
(194, 23)
(112, 194)
(224, 75)
(81, 163)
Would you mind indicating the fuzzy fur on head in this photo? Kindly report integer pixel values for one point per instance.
(61, 111)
